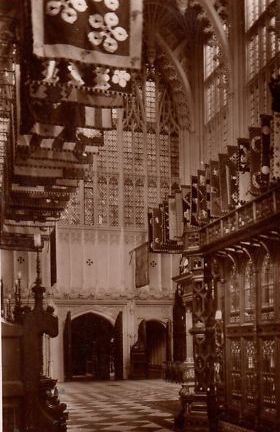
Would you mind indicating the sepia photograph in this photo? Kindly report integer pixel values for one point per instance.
(140, 215)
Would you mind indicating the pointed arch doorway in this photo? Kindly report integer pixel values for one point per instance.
(157, 339)
(152, 349)
(93, 348)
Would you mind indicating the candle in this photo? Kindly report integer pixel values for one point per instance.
(218, 315)
(19, 275)
(37, 240)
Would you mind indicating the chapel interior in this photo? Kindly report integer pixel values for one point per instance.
(140, 208)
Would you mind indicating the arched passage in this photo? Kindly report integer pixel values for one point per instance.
(90, 350)
(156, 337)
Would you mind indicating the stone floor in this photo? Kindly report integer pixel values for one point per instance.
(118, 406)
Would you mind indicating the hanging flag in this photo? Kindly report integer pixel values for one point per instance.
(67, 82)
(69, 115)
(165, 222)
(276, 145)
(186, 195)
(179, 214)
(79, 141)
(232, 173)
(215, 199)
(228, 178)
(223, 179)
(202, 210)
(243, 155)
(266, 149)
(255, 159)
(142, 265)
(172, 217)
(194, 200)
(57, 92)
(207, 178)
(244, 169)
(95, 32)
(157, 237)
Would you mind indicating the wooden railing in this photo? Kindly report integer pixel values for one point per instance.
(246, 216)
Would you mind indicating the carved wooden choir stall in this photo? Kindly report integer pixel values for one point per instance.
(229, 277)
(30, 399)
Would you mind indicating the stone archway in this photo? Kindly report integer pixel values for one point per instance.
(156, 348)
(89, 347)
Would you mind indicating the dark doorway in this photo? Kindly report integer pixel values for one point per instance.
(89, 348)
(156, 339)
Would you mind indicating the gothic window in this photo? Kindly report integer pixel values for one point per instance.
(112, 151)
(262, 47)
(152, 192)
(139, 154)
(139, 203)
(128, 198)
(174, 156)
(267, 289)
(139, 160)
(234, 290)
(88, 203)
(113, 201)
(215, 99)
(72, 214)
(164, 189)
(250, 372)
(164, 156)
(268, 390)
(249, 292)
(150, 105)
(127, 153)
(102, 211)
(235, 372)
(151, 154)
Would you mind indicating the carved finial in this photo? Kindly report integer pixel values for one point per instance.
(182, 5)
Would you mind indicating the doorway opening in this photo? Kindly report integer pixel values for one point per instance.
(152, 350)
(92, 348)
(156, 347)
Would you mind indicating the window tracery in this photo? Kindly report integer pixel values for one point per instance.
(250, 372)
(268, 384)
(262, 48)
(144, 148)
(249, 292)
(267, 289)
(72, 214)
(234, 291)
(102, 198)
(215, 98)
(89, 203)
(114, 201)
(236, 381)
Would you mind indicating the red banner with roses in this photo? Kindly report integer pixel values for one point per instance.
(105, 32)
